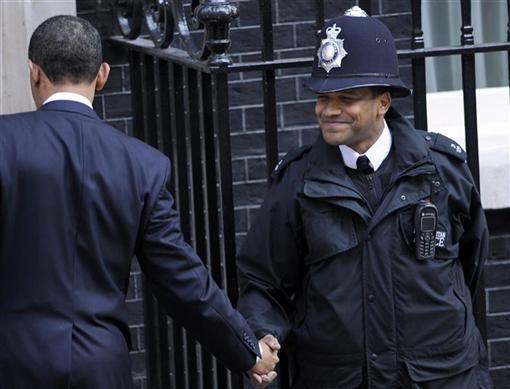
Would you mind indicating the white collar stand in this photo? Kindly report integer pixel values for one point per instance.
(376, 154)
(69, 96)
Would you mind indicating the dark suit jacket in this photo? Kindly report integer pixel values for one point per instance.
(78, 199)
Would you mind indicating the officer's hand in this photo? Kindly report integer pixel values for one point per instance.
(261, 381)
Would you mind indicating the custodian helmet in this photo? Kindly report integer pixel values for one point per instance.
(355, 50)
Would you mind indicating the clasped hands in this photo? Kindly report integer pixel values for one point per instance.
(262, 374)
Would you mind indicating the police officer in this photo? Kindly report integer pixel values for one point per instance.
(369, 246)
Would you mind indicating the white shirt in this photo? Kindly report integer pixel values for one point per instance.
(376, 154)
(69, 96)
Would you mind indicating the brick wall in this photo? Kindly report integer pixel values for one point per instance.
(294, 32)
(497, 294)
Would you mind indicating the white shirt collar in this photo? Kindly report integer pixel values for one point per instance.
(376, 154)
(70, 97)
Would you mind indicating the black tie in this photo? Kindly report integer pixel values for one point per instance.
(363, 165)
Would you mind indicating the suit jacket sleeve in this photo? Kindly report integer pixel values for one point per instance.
(184, 287)
(270, 263)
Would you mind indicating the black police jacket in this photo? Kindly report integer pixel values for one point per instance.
(343, 285)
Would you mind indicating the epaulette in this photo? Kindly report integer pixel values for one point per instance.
(445, 145)
(292, 155)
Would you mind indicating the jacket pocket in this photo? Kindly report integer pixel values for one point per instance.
(430, 366)
(331, 371)
(329, 231)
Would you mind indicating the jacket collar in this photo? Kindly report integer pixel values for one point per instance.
(410, 147)
(69, 106)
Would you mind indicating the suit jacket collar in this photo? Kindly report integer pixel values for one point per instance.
(69, 106)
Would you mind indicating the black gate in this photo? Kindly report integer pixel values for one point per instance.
(180, 101)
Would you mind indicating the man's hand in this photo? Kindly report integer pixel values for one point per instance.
(262, 374)
(269, 347)
(261, 381)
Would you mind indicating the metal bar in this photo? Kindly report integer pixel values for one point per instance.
(419, 80)
(171, 54)
(152, 361)
(266, 27)
(221, 123)
(319, 16)
(439, 51)
(155, 320)
(159, 95)
(203, 374)
(181, 57)
(469, 89)
(171, 327)
(195, 156)
(269, 86)
(222, 130)
(187, 194)
(213, 217)
(165, 133)
(508, 37)
(148, 101)
(210, 173)
(222, 127)
(165, 118)
(366, 5)
(136, 90)
(177, 119)
(471, 131)
(285, 371)
(158, 119)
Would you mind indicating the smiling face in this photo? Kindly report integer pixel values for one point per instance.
(353, 117)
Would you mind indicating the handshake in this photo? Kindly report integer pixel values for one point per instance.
(262, 374)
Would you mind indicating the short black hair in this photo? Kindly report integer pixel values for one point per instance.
(379, 90)
(67, 48)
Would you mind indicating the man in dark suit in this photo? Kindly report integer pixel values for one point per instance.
(78, 199)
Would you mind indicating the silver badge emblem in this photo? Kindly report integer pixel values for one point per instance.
(331, 52)
(457, 148)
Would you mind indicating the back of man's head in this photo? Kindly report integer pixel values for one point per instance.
(67, 48)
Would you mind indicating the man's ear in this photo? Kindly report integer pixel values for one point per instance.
(384, 102)
(35, 73)
(102, 76)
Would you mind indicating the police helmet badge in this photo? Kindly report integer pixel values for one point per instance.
(331, 51)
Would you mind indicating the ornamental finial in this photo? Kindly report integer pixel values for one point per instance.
(356, 12)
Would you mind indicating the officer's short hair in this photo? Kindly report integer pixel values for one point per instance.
(67, 48)
(379, 90)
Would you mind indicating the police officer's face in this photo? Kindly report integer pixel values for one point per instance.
(354, 117)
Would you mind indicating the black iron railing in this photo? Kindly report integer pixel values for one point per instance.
(181, 105)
